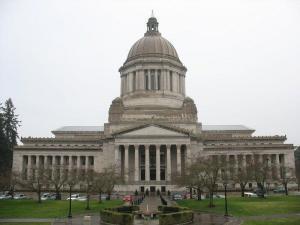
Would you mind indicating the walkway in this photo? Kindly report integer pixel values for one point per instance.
(150, 204)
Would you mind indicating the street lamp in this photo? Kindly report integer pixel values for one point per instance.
(70, 202)
(226, 208)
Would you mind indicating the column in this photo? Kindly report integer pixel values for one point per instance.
(188, 155)
(78, 162)
(178, 159)
(86, 163)
(147, 163)
(37, 162)
(157, 163)
(136, 163)
(277, 161)
(169, 163)
(29, 168)
(243, 162)
(126, 162)
(117, 160)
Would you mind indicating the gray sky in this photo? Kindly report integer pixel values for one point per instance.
(59, 59)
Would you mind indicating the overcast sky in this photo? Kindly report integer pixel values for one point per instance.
(59, 59)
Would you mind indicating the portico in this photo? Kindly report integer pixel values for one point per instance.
(151, 163)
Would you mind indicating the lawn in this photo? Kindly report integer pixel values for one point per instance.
(238, 206)
(30, 223)
(48, 209)
(281, 221)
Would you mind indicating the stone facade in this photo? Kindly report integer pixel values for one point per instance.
(153, 130)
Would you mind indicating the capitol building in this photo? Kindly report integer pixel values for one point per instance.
(153, 130)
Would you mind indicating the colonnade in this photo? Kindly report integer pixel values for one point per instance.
(151, 162)
(30, 163)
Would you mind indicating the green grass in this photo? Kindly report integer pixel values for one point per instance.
(238, 206)
(281, 221)
(49, 209)
(29, 223)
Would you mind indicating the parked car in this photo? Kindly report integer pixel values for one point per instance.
(48, 196)
(81, 198)
(5, 196)
(20, 196)
(250, 194)
(279, 190)
(127, 198)
(177, 197)
(74, 197)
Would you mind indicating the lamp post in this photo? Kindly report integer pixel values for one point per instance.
(226, 208)
(70, 202)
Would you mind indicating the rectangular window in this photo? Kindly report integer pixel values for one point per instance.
(146, 79)
(134, 81)
(158, 80)
(152, 74)
(171, 81)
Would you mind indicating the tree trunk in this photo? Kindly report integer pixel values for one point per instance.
(87, 202)
(286, 189)
(242, 190)
(191, 193)
(57, 194)
(211, 203)
(39, 196)
(198, 194)
(100, 200)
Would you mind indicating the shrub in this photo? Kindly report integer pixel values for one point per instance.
(174, 215)
(119, 215)
(113, 217)
(176, 218)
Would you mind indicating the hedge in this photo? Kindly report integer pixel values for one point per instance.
(119, 215)
(175, 215)
(176, 218)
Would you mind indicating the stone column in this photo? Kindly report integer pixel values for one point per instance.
(147, 163)
(136, 163)
(243, 161)
(117, 159)
(157, 163)
(29, 168)
(178, 159)
(78, 162)
(188, 155)
(126, 163)
(277, 162)
(169, 163)
(37, 162)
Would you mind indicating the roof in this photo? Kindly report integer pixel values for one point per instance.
(225, 128)
(80, 129)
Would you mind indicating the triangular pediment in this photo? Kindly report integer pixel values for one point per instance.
(152, 130)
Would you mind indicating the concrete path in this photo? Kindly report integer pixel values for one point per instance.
(27, 220)
(150, 204)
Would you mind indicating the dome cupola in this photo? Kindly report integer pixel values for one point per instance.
(152, 74)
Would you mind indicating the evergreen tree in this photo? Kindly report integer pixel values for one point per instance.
(9, 130)
(3, 145)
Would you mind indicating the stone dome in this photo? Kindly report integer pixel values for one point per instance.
(152, 44)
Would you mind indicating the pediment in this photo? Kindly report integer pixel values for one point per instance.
(153, 130)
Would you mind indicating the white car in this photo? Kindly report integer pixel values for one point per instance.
(81, 198)
(74, 197)
(20, 196)
(48, 196)
(5, 196)
(250, 194)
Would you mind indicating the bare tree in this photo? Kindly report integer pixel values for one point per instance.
(57, 178)
(112, 178)
(36, 182)
(99, 183)
(9, 181)
(87, 182)
(260, 173)
(287, 175)
(242, 176)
